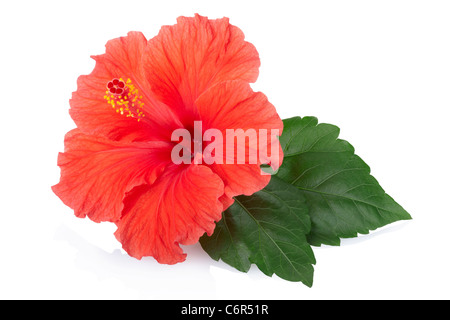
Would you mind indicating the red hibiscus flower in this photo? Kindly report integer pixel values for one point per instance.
(118, 166)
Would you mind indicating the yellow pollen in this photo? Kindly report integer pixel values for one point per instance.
(127, 103)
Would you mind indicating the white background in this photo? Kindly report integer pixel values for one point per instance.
(380, 70)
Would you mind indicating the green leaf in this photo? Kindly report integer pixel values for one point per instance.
(268, 229)
(344, 199)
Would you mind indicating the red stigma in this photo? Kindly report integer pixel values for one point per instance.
(116, 87)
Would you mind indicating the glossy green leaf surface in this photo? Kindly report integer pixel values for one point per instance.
(268, 229)
(344, 199)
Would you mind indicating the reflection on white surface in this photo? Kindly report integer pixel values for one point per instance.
(199, 277)
(146, 277)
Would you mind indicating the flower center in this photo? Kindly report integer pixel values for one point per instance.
(124, 97)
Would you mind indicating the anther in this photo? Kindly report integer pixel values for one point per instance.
(124, 98)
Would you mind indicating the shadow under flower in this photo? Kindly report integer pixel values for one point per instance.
(149, 279)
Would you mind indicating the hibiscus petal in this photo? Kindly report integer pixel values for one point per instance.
(96, 173)
(239, 179)
(178, 208)
(234, 105)
(183, 60)
(91, 111)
